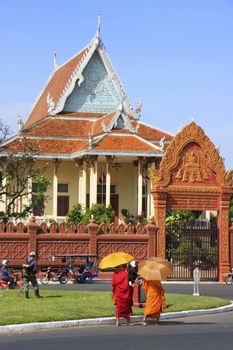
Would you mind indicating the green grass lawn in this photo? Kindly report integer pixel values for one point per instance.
(71, 305)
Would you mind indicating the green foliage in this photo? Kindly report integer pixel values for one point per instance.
(189, 252)
(128, 217)
(18, 170)
(72, 305)
(179, 215)
(131, 219)
(231, 209)
(102, 214)
(75, 215)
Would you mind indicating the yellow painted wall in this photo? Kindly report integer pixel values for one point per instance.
(125, 180)
(67, 173)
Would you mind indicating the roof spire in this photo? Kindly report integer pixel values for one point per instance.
(137, 110)
(98, 30)
(19, 122)
(55, 60)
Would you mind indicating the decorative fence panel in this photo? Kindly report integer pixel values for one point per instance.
(16, 242)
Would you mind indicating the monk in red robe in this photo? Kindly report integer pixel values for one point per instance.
(155, 300)
(123, 295)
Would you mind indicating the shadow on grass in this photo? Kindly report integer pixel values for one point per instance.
(169, 305)
(52, 296)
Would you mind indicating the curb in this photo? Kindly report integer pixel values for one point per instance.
(107, 320)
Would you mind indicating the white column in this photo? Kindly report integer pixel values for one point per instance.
(139, 187)
(80, 180)
(82, 185)
(55, 194)
(91, 186)
(148, 201)
(56, 163)
(108, 184)
(93, 182)
(3, 197)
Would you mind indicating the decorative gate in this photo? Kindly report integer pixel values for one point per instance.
(191, 244)
(192, 176)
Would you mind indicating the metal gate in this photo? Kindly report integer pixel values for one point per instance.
(191, 244)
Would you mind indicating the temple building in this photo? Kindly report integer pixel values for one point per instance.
(96, 148)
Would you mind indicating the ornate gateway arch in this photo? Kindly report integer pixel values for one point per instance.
(192, 176)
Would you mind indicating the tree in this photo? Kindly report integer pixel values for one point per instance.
(17, 171)
(179, 215)
(75, 215)
(102, 214)
(231, 209)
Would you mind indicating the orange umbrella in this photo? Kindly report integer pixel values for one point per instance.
(155, 269)
(115, 259)
(164, 262)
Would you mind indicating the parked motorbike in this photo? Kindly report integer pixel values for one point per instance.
(59, 276)
(229, 278)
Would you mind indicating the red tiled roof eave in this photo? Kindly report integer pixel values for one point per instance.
(61, 128)
(55, 87)
(46, 147)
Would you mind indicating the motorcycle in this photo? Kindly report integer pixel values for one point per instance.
(16, 283)
(59, 276)
(229, 278)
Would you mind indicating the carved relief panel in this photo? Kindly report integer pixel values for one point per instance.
(137, 249)
(194, 167)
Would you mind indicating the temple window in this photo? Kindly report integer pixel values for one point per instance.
(62, 188)
(62, 205)
(120, 123)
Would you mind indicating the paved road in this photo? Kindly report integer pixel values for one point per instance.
(212, 332)
(208, 289)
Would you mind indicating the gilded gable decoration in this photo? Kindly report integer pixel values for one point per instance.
(120, 118)
(191, 158)
(137, 110)
(161, 143)
(50, 103)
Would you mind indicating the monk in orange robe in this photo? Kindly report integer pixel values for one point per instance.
(123, 295)
(155, 300)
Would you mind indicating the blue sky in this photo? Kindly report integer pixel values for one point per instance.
(177, 55)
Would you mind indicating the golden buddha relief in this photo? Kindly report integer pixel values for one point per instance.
(193, 168)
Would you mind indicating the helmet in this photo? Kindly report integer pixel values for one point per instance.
(5, 262)
(32, 254)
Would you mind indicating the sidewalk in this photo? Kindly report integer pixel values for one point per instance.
(107, 321)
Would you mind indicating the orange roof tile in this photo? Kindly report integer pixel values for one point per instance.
(150, 133)
(55, 87)
(97, 128)
(61, 128)
(48, 146)
(124, 143)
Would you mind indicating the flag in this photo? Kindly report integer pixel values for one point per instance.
(145, 178)
(102, 178)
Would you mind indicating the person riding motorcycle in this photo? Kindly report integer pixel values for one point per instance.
(5, 275)
(29, 275)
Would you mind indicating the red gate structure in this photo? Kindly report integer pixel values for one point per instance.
(192, 176)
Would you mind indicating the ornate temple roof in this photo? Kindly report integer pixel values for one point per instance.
(84, 108)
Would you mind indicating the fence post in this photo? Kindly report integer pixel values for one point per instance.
(151, 230)
(196, 276)
(32, 230)
(92, 230)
